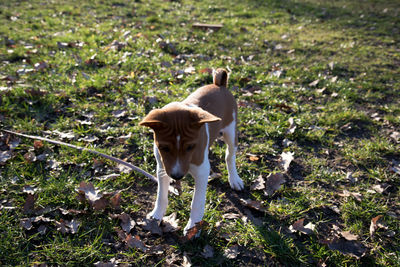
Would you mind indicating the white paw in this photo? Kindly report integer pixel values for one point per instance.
(155, 215)
(188, 226)
(236, 183)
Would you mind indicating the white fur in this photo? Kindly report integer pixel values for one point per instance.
(229, 134)
(200, 174)
(162, 189)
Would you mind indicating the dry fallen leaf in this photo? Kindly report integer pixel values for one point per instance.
(127, 224)
(29, 204)
(231, 252)
(115, 201)
(349, 236)
(195, 230)
(4, 156)
(298, 226)
(151, 225)
(396, 136)
(170, 223)
(208, 252)
(26, 223)
(286, 159)
(135, 242)
(257, 205)
(375, 225)
(274, 182)
(258, 184)
(292, 126)
(231, 216)
(351, 248)
(186, 260)
(65, 226)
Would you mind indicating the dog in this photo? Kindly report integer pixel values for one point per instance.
(183, 134)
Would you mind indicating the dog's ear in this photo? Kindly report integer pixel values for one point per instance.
(154, 119)
(201, 116)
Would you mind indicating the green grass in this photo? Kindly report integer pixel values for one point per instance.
(277, 50)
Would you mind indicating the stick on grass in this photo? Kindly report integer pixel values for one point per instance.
(120, 161)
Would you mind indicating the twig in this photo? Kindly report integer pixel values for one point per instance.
(120, 161)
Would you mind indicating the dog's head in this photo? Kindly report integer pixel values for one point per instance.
(176, 134)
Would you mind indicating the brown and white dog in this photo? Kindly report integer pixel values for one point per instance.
(183, 134)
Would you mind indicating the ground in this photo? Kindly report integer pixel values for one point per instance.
(317, 83)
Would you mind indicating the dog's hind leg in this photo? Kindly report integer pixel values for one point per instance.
(230, 138)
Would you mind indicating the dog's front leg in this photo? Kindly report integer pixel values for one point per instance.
(200, 175)
(161, 203)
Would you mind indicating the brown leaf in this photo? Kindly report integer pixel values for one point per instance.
(37, 144)
(298, 226)
(374, 224)
(151, 225)
(115, 201)
(349, 236)
(135, 242)
(231, 252)
(170, 223)
(195, 230)
(258, 184)
(127, 224)
(29, 204)
(257, 205)
(30, 156)
(274, 182)
(351, 248)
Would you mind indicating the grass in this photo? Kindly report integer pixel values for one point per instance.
(331, 66)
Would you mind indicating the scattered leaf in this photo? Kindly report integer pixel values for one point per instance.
(29, 204)
(396, 136)
(118, 113)
(274, 182)
(375, 225)
(208, 252)
(37, 144)
(26, 223)
(4, 156)
(351, 248)
(186, 260)
(231, 252)
(254, 204)
(286, 159)
(195, 230)
(65, 226)
(258, 184)
(151, 225)
(135, 242)
(231, 216)
(127, 223)
(170, 223)
(29, 189)
(298, 226)
(292, 126)
(349, 236)
(115, 201)
(314, 83)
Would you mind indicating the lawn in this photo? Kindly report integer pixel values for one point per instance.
(318, 88)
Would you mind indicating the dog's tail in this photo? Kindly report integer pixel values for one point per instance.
(220, 77)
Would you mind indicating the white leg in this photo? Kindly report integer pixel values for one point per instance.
(229, 134)
(200, 175)
(160, 206)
